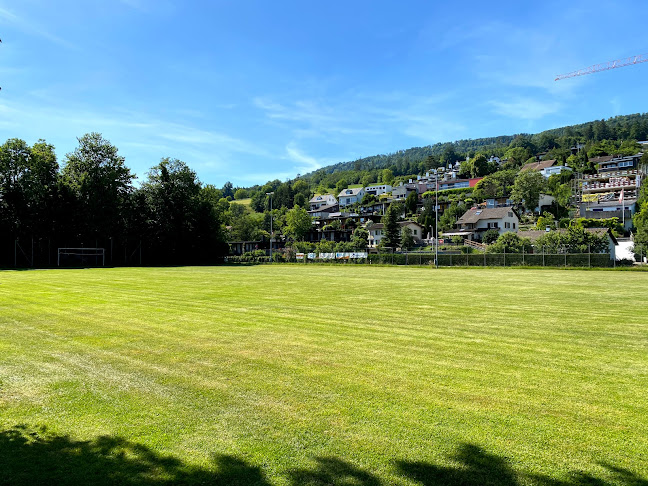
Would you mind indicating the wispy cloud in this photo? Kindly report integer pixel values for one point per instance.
(526, 108)
(32, 27)
(363, 115)
(141, 135)
(307, 163)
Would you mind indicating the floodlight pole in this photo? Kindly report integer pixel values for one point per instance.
(270, 194)
(436, 223)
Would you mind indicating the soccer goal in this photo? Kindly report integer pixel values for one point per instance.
(82, 256)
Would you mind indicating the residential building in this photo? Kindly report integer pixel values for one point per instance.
(324, 211)
(402, 191)
(611, 193)
(320, 200)
(351, 196)
(498, 202)
(377, 232)
(555, 169)
(539, 165)
(476, 221)
(611, 163)
(544, 203)
(458, 183)
(378, 189)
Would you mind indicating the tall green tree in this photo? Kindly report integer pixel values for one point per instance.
(99, 179)
(298, 223)
(640, 220)
(527, 189)
(183, 223)
(411, 202)
(28, 188)
(499, 184)
(407, 239)
(392, 237)
(360, 238)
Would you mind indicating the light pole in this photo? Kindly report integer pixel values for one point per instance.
(271, 235)
(436, 223)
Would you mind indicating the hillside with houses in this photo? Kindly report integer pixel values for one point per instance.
(566, 191)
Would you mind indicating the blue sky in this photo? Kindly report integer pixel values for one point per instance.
(249, 91)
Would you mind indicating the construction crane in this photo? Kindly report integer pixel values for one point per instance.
(606, 66)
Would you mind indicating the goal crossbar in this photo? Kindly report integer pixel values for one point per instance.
(82, 252)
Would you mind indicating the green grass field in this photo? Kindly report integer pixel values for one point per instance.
(349, 375)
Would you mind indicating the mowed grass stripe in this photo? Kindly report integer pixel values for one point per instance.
(282, 364)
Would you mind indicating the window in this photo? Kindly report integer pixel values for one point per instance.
(415, 232)
(513, 225)
(507, 225)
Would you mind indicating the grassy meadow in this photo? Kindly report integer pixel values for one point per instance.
(340, 374)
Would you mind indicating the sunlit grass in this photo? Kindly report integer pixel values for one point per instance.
(386, 370)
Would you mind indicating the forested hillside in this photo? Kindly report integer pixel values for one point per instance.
(617, 128)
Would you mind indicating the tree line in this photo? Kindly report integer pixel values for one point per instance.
(91, 201)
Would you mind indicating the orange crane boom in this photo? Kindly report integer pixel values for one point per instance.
(606, 66)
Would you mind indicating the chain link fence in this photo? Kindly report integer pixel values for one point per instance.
(496, 259)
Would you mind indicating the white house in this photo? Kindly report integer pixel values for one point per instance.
(544, 202)
(351, 196)
(476, 221)
(377, 232)
(378, 189)
(320, 200)
(554, 169)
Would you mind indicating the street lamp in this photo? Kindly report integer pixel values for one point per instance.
(271, 236)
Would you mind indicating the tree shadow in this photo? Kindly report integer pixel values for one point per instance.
(331, 471)
(474, 467)
(35, 457)
(477, 467)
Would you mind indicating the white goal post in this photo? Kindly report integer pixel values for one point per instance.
(82, 254)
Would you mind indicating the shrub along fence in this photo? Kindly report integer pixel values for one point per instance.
(497, 259)
(448, 259)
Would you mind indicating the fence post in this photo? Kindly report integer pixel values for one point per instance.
(504, 256)
(484, 257)
(589, 256)
(522, 255)
(543, 261)
(467, 258)
(565, 252)
(406, 258)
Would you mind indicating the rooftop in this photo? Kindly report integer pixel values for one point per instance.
(543, 164)
(477, 214)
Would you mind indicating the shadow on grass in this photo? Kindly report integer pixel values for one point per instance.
(37, 457)
(476, 467)
(331, 471)
(33, 457)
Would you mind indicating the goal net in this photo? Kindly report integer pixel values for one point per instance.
(81, 256)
